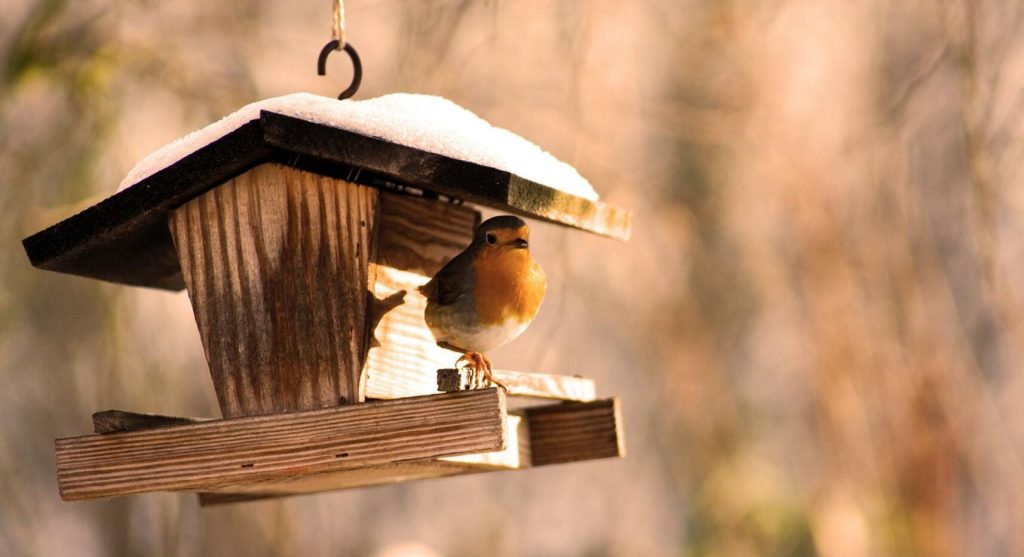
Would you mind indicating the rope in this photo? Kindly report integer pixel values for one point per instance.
(338, 21)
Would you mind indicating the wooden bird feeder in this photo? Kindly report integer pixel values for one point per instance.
(293, 238)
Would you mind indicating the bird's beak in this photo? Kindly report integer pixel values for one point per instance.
(519, 243)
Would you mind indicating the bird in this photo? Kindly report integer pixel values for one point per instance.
(487, 295)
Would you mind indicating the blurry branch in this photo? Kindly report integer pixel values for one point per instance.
(34, 44)
(975, 114)
(902, 97)
(24, 47)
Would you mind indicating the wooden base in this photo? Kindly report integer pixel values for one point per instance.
(234, 452)
(241, 459)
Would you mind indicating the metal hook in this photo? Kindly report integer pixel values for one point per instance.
(357, 66)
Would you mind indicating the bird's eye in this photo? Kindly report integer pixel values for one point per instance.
(491, 238)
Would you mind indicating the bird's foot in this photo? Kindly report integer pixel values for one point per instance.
(485, 365)
(479, 369)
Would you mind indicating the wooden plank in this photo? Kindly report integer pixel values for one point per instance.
(455, 178)
(262, 449)
(546, 435)
(519, 383)
(515, 456)
(421, 235)
(277, 265)
(534, 200)
(572, 432)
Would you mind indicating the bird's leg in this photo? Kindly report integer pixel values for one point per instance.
(479, 369)
(484, 379)
(485, 366)
(480, 364)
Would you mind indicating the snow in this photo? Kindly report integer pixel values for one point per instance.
(429, 123)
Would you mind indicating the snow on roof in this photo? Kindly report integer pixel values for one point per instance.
(425, 122)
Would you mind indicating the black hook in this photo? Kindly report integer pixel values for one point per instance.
(357, 67)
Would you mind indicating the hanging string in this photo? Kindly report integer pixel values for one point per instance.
(339, 43)
(338, 21)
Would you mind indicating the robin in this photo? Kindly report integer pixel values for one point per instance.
(487, 295)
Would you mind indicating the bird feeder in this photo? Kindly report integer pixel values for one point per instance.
(295, 238)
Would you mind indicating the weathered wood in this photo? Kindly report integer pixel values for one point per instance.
(515, 456)
(546, 435)
(124, 238)
(421, 235)
(572, 432)
(116, 421)
(537, 436)
(472, 182)
(277, 266)
(231, 453)
(449, 380)
(417, 237)
(518, 383)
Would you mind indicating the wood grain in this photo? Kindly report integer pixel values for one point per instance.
(417, 237)
(518, 383)
(116, 421)
(564, 433)
(575, 431)
(277, 267)
(237, 452)
(514, 457)
(420, 235)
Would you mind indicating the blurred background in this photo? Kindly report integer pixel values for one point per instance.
(816, 330)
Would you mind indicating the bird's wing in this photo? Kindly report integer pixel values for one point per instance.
(451, 282)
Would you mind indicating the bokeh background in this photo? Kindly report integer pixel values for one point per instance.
(816, 330)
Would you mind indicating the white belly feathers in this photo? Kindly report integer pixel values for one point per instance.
(479, 338)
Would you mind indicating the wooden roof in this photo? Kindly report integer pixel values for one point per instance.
(125, 238)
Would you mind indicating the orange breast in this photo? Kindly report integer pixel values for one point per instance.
(509, 285)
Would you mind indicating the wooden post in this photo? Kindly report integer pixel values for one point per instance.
(277, 265)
